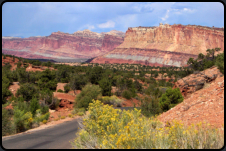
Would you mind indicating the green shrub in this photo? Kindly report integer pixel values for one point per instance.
(22, 120)
(54, 104)
(34, 105)
(60, 91)
(80, 113)
(44, 109)
(88, 93)
(220, 62)
(7, 124)
(19, 64)
(5, 91)
(26, 65)
(127, 94)
(66, 88)
(112, 100)
(27, 91)
(137, 86)
(170, 99)
(105, 85)
(43, 117)
(21, 105)
(150, 106)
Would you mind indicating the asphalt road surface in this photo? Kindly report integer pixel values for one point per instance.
(55, 137)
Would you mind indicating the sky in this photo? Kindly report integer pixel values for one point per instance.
(26, 19)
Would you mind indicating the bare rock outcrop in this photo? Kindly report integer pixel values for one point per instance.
(204, 105)
(197, 80)
(165, 45)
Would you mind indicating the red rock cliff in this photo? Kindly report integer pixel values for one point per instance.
(81, 44)
(164, 45)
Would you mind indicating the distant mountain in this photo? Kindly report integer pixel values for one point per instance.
(81, 44)
(165, 45)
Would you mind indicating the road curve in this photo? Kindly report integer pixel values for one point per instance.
(55, 137)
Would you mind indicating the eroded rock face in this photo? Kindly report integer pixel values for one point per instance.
(197, 81)
(169, 45)
(81, 44)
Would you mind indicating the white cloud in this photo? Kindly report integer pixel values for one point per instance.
(166, 16)
(90, 27)
(108, 24)
(188, 10)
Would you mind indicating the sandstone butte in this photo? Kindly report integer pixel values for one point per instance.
(165, 45)
(59, 45)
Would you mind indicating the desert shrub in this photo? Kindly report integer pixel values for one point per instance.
(26, 65)
(162, 82)
(62, 117)
(7, 125)
(150, 89)
(88, 93)
(168, 84)
(19, 64)
(70, 115)
(75, 111)
(66, 88)
(105, 85)
(127, 94)
(39, 117)
(60, 91)
(150, 106)
(56, 119)
(54, 104)
(137, 86)
(44, 121)
(23, 75)
(77, 81)
(27, 91)
(112, 100)
(22, 120)
(220, 62)
(21, 105)
(5, 91)
(109, 128)
(44, 109)
(80, 113)
(170, 99)
(46, 96)
(34, 105)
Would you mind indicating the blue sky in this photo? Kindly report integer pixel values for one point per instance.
(26, 19)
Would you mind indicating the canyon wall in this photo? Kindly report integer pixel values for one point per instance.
(59, 45)
(165, 45)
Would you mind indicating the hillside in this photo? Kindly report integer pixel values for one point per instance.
(165, 45)
(203, 105)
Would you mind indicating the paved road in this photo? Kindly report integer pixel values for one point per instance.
(55, 137)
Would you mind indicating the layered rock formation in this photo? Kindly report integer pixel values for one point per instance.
(81, 44)
(169, 45)
(197, 81)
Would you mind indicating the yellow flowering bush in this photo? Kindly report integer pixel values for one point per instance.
(62, 117)
(106, 127)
